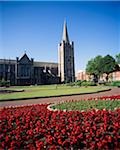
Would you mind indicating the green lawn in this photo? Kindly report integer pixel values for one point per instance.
(88, 104)
(47, 90)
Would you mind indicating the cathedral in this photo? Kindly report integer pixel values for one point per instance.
(26, 71)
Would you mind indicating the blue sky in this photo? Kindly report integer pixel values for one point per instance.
(36, 27)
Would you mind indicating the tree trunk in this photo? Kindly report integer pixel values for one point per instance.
(107, 77)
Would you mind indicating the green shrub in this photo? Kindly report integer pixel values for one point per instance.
(88, 83)
(70, 84)
(4, 83)
(78, 83)
(81, 83)
(108, 84)
(114, 83)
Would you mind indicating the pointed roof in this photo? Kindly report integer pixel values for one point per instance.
(24, 58)
(65, 33)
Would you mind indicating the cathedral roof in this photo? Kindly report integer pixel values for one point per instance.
(47, 64)
(7, 61)
(25, 57)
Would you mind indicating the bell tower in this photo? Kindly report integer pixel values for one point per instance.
(66, 69)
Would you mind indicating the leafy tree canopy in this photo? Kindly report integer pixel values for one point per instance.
(118, 58)
(100, 65)
(94, 66)
(109, 64)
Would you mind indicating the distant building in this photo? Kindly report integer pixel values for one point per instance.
(81, 75)
(114, 76)
(66, 68)
(25, 71)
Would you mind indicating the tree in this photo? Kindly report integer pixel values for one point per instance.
(109, 65)
(118, 58)
(98, 60)
(90, 67)
(100, 65)
(94, 67)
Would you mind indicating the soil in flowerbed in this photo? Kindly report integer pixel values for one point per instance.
(35, 127)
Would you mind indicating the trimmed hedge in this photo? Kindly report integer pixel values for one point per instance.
(4, 83)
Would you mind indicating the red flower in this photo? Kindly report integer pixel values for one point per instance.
(34, 127)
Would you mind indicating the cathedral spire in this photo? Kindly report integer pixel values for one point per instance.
(65, 33)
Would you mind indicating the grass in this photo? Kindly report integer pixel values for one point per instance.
(47, 90)
(88, 104)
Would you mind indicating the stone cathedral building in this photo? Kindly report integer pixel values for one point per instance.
(66, 69)
(26, 71)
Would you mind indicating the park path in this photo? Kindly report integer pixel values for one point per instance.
(114, 91)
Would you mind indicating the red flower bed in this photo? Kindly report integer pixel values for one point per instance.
(114, 97)
(35, 127)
